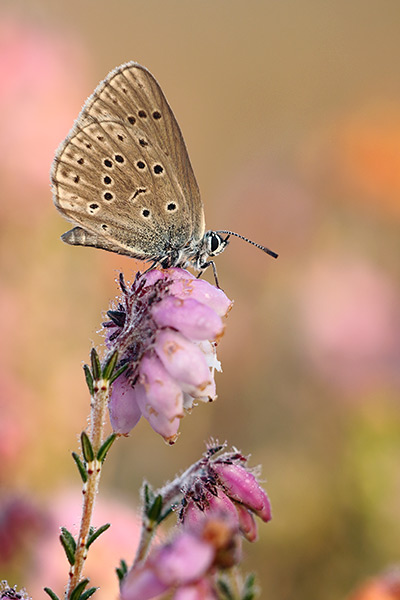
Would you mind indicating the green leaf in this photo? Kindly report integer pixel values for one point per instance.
(87, 448)
(81, 467)
(225, 589)
(89, 379)
(96, 366)
(249, 589)
(96, 534)
(104, 448)
(88, 593)
(121, 570)
(50, 592)
(77, 591)
(118, 372)
(148, 496)
(69, 537)
(69, 545)
(155, 509)
(166, 514)
(109, 366)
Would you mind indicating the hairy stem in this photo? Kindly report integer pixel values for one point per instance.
(171, 493)
(99, 404)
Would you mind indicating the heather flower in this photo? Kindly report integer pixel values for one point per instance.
(186, 564)
(165, 327)
(226, 486)
(21, 523)
(11, 593)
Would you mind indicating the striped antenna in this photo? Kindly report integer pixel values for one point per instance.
(263, 248)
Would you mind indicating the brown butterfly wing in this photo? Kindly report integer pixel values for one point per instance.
(123, 173)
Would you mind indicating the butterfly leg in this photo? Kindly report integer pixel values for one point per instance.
(207, 264)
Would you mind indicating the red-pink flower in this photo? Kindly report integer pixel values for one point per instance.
(226, 486)
(186, 564)
(166, 328)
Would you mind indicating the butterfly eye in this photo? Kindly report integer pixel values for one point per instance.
(214, 242)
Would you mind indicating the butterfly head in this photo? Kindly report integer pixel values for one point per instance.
(211, 245)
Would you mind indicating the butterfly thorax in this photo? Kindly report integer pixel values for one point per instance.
(197, 255)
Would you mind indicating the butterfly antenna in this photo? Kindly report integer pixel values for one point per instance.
(263, 248)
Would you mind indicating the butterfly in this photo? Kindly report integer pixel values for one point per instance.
(123, 177)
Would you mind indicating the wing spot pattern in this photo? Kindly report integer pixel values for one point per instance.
(108, 196)
(146, 212)
(142, 114)
(140, 164)
(139, 191)
(108, 163)
(93, 208)
(171, 206)
(158, 169)
(131, 119)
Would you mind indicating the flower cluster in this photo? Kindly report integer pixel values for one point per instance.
(187, 564)
(220, 496)
(6, 592)
(165, 327)
(226, 486)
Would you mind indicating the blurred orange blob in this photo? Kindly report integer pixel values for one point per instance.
(358, 156)
(368, 154)
(386, 587)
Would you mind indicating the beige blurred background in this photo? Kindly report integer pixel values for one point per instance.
(291, 114)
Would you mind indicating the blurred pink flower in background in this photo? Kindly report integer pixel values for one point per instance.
(50, 566)
(44, 82)
(21, 523)
(17, 408)
(349, 311)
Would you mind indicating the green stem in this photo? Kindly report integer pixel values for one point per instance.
(99, 403)
(171, 494)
